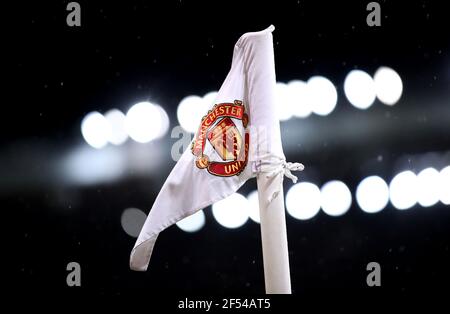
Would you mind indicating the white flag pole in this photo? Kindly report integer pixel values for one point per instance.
(270, 164)
(273, 234)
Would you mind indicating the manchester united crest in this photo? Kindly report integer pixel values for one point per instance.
(222, 141)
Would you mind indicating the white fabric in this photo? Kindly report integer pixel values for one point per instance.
(188, 188)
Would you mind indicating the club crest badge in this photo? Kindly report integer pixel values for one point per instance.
(222, 141)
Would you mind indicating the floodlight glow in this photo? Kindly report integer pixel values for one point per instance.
(444, 185)
(322, 95)
(231, 212)
(190, 111)
(116, 120)
(428, 187)
(336, 198)
(403, 190)
(359, 88)
(95, 129)
(143, 122)
(132, 221)
(298, 96)
(283, 100)
(164, 122)
(372, 194)
(303, 200)
(209, 100)
(86, 166)
(193, 222)
(388, 85)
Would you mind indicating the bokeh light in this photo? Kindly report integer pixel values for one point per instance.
(388, 85)
(444, 185)
(322, 95)
(298, 96)
(95, 129)
(359, 88)
(116, 120)
(165, 122)
(209, 100)
(303, 200)
(143, 122)
(335, 198)
(190, 111)
(372, 194)
(428, 187)
(283, 102)
(132, 221)
(403, 190)
(231, 212)
(193, 222)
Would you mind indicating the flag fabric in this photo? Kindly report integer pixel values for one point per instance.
(238, 138)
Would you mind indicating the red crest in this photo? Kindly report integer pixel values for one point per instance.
(222, 133)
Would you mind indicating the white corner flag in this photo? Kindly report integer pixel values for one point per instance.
(237, 139)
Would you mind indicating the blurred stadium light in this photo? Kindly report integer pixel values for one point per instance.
(388, 85)
(403, 190)
(192, 223)
(145, 122)
(116, 120)
(444, 185)
(359, 88)
(322, 95)
(298, 97)
(428, 187)
(372, 194)
(335, 198)
(95, 129)
(231, 212)
(132, 220)
(303, 200)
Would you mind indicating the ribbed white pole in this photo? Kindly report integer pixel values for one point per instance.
(273, 234)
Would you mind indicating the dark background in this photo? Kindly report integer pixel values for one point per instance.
(130, 51)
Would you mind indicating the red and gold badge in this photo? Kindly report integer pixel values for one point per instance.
(219, 130)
